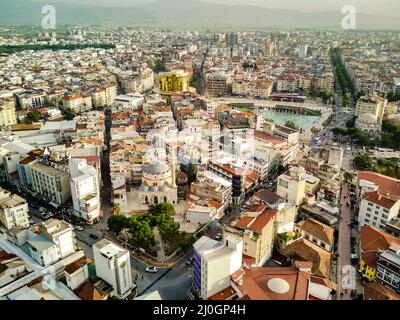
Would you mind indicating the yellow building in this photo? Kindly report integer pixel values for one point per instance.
(372, 240)
(372, 104)
(368, 265)
(257, 230)
(174, 81)
(99, 97)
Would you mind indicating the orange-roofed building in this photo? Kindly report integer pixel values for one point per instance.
(291, 283)
(258, 235)
(371, 241)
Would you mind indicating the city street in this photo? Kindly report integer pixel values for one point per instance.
(344, 247)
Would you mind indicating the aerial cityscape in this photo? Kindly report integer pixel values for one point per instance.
(194, 153)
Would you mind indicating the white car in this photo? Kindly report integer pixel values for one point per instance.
(78, 228)
(152, 269)
(46, 215)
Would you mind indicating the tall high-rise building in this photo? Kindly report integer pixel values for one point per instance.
(214, 263)
(84, 190)
(269, 48)
(113, 265)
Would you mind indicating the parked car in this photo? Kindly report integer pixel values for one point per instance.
(46, 215)
(94, 236)
(218, 236)
(189, 261)
(42, 209)
(78, 228)
(152, 269)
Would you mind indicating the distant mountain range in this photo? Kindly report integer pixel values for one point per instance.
(179, 13)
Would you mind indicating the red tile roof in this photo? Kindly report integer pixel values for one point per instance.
(385, 184)
(379, 199)
(256, 285)
(373, 239)
(263, 219)
(268, 138)
(244, 222)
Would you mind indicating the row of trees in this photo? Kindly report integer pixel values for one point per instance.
(34, 116)
(389, 137)
(342, 77)
(9, 49)
(391, 96)
(388, 167)
(326, 96)
(139, 228)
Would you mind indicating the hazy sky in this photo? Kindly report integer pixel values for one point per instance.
(381, 7)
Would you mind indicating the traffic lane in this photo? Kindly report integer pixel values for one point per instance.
(142, 278)
(85, 235)
(180, 277)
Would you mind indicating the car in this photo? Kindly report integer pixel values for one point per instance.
(189, 261)
(218, 236)
(152, 269)
(94, 236)
(46, 215)
(42, 209)
(78, 228)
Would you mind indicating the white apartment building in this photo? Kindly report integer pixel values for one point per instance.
(84, 190)
(31, 100)
(13, 211)
(55, 241)
(213, 264)
(113, 265)
(377, 209)
(51, 182)
(77, 102)
(128, 102)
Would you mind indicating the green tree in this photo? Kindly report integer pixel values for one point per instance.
(141, 231)
(117, 223)
(187, 244)
(116, 208)
(192, 175)
(348, 176)
(32, 116)
(291, 124)
(364, 162)
(47, 102)
(314, 130)
(159, 66)
(69, 114)
(161, 209)
(162, 216)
